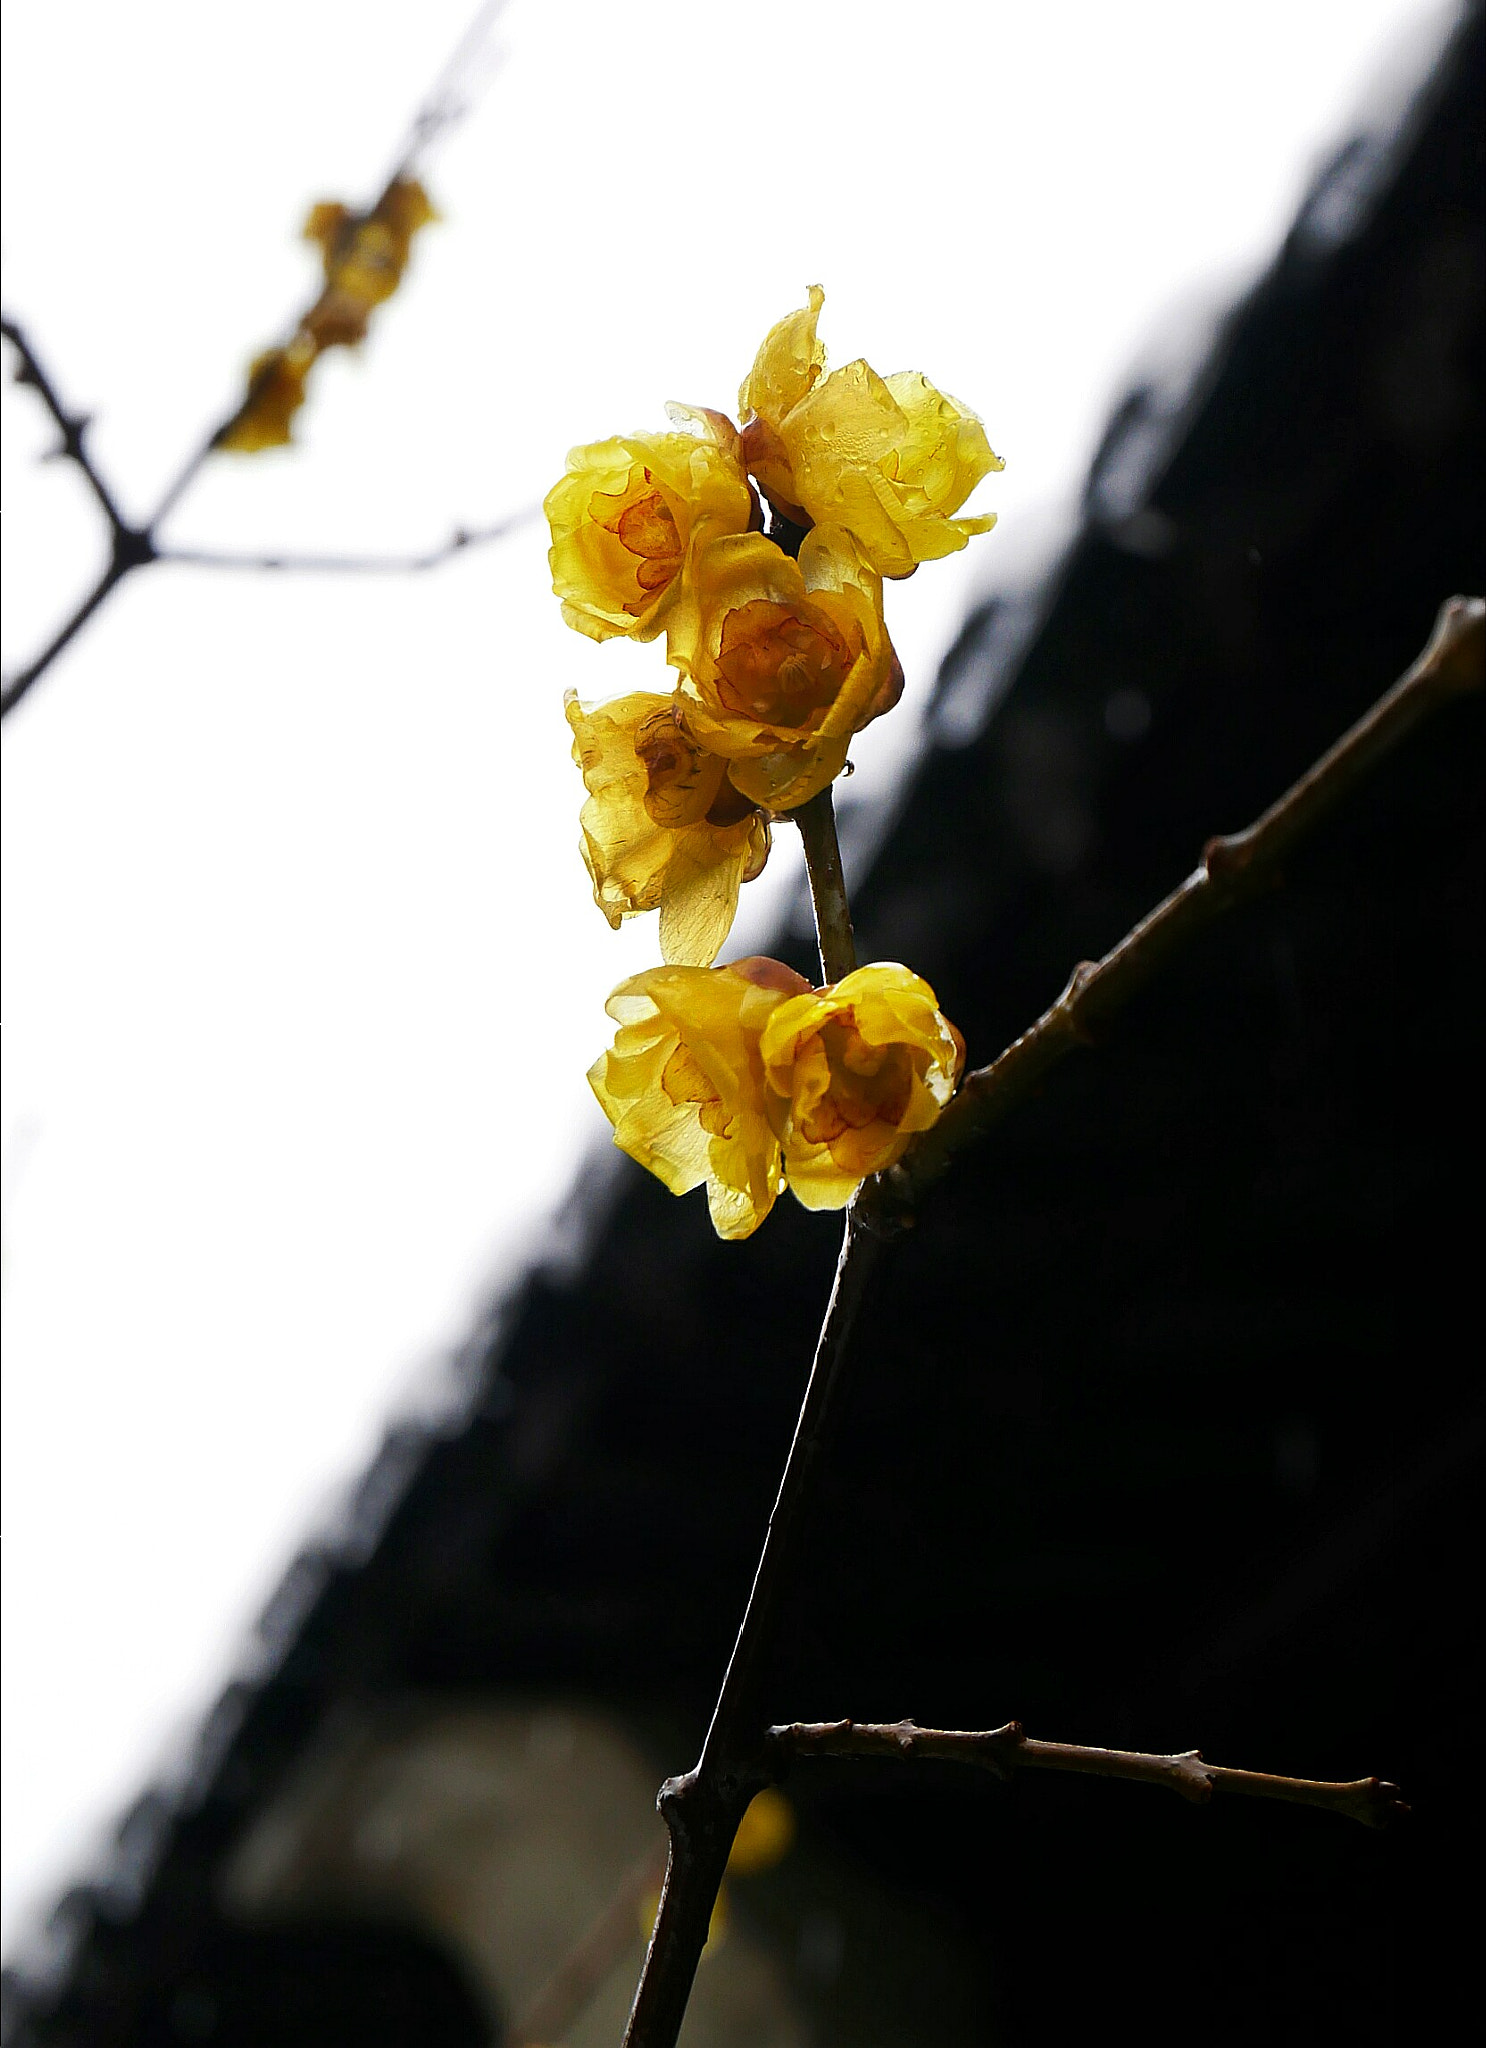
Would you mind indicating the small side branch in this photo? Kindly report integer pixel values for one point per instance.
(354, 565)
(73, 427)
(1452, 665)
(1372, 1801)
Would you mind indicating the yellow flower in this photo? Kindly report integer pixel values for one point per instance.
(630, 514)
(364, 257)
(684, 1084)
(782, 660)
(663, 828)
(889, 458)
(854, 1070)
(275, 394)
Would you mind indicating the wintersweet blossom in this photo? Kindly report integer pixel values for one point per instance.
(663, 828)
(782, 660)
(684, 1084)
(629, 515)
(364, 257)
(854, 1070)
(889, 458)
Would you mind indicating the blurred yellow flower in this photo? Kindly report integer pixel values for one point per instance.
(889, 458)
(629, 515)
(782, 660)
(663, 828)
(364, 257)
(765, 1834)
(684, 1084)
(275, 394)
(854, 1070)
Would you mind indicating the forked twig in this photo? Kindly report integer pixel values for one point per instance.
(134, 547)
(742, 1752)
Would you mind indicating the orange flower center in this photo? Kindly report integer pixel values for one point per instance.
(684, 1081)
(681, 782)
(780, 665)
(646, 528)
(869, 1083)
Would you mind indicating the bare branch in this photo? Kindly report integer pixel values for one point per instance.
(1373, 1801)
(702, 1809)
(73, 428)
(354, 565)
(1452, 665)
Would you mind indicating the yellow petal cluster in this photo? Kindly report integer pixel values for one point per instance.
(750, 1080)
(684, 1084)
(783, 660)
(778, 639)
(861, 1066)
(628, 518)
(364, 257)
(891, 459)
(663, 827)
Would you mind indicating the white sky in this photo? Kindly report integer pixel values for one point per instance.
(302, 974)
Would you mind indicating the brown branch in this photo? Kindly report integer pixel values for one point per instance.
(1452, 665)
(1372, 1801)
(702, 1809)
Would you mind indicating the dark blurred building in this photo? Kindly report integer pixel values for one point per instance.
(1167, 1428)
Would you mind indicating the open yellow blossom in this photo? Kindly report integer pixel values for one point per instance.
(783, 660)
(684, 1084)
(628, 517)
(663, 828)
(853, 1071)
(889, 458)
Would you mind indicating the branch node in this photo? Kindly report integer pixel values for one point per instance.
(1067, 1005)
(133, 548)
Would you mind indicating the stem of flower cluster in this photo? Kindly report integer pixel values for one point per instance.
(817, 822)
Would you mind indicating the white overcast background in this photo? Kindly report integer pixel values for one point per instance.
(302, 971)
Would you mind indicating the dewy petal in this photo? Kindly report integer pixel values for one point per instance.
(786, 366)
(649, 840)
(856, 1070)
(627, 517)
(890, 458)
(684, 1084)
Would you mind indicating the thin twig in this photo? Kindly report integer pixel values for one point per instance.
(702, 1809)
(353, 565)
(1373, 1801)
(73, 427)
(1452, 665)
(817, 822)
